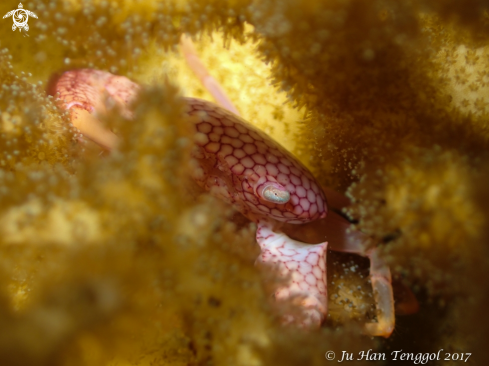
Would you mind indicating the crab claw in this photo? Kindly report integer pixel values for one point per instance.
(304, 265)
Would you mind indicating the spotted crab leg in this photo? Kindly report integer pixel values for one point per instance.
(87, 94)
(207, 80)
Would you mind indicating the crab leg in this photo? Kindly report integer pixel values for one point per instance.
(91, 127)
(380, 277)
(87, 94)
(203, 75)
(337, 231)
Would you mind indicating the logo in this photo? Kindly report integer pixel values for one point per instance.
(20, 17)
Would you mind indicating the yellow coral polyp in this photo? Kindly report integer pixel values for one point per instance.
(64, 223)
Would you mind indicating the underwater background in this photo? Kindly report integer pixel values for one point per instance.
(110, 260)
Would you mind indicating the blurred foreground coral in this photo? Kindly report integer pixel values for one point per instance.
(112, 260)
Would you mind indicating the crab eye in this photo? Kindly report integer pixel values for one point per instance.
(273, 194)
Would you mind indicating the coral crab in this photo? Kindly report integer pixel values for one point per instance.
(245, 167)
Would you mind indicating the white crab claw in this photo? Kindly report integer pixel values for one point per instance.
(304, 265)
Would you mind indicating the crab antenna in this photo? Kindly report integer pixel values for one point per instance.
(199, 69)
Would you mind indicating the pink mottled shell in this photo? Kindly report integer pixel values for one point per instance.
(234, 155)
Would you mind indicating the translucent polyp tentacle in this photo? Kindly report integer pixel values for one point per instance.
(270, 190)
(304, 265)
